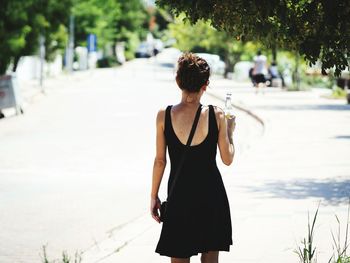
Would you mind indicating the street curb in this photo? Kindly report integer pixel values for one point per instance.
(117, 239)
(239, 107)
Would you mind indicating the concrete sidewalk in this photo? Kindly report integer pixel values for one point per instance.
(76, 167)
(302, 159)
(30, 90)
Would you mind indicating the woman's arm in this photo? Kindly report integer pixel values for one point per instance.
(159, 165)
(225, 141)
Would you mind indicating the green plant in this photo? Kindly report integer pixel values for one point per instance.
(65, 257)
(338, 93)
(294, 87)
(306, 251)
(44, 257)
(107, 62)
(339, 251)
(315, 81)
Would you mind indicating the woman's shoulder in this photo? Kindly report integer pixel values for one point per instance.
(219, 115)
(161, 115)
(219, 112)
(161, 112)
(163, 109)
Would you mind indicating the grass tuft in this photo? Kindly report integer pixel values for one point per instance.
(65, 257)
(307, 250)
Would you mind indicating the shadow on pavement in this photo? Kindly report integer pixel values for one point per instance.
(333, 191)
(343, 107)
(167, 65)
(342, 137)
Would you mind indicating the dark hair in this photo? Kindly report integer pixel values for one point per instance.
(192, 72)
(259, 52)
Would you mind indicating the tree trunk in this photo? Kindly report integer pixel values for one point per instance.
(296, 78)
(227, 64)
(274, 52)
(3, 68)
(15, 63)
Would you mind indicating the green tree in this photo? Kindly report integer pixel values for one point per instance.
(132, 25)
(13, 30)
(159, 21)
(111, 21)
(203, 37)
(21, 24)
(317, 29)
(96, 17)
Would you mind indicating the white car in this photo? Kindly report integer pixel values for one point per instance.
(241, 70)
(168, 57)
(217, 66)
(145, 50)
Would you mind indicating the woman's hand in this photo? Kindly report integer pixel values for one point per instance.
(155, 207)
(231, 125)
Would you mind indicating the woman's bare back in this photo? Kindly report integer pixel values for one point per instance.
(182, 120)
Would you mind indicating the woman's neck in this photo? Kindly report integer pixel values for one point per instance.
(190, 99)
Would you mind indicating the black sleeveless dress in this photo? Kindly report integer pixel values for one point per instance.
(198, 215)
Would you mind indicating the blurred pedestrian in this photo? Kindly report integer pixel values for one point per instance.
(197, 218)
(259, 71)
(273, 70)
(275, 74)
(251, 77)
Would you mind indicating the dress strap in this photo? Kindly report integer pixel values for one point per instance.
(212, 119)
(167, 118)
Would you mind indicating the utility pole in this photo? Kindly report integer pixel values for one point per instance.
(42, 61)
(70, 49)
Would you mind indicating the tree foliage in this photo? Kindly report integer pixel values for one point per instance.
(95, 17)
(13, 30)
(317, 29)
(21, 24)
(203, 37)
(132, 25)
(110, 21)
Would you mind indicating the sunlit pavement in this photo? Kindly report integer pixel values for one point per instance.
(301, 160)
(76, 168)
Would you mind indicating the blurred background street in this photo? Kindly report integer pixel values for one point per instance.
(81, 83)
(76, 167)
(77, 164)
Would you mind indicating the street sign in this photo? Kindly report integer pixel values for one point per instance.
(9, 93)
(92, 43)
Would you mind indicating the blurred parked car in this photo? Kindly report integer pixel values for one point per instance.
(217, 66)
(241, 70)
(343, 81)
(168, 57)
(145, 50)
(157, 46)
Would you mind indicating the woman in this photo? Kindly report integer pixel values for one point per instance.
(198, 214)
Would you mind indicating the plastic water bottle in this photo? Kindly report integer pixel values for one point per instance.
(228, 107)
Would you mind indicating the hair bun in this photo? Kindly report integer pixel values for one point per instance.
(192, 73)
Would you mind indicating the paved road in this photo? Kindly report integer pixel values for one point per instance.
(76, 166)
(302, 160)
